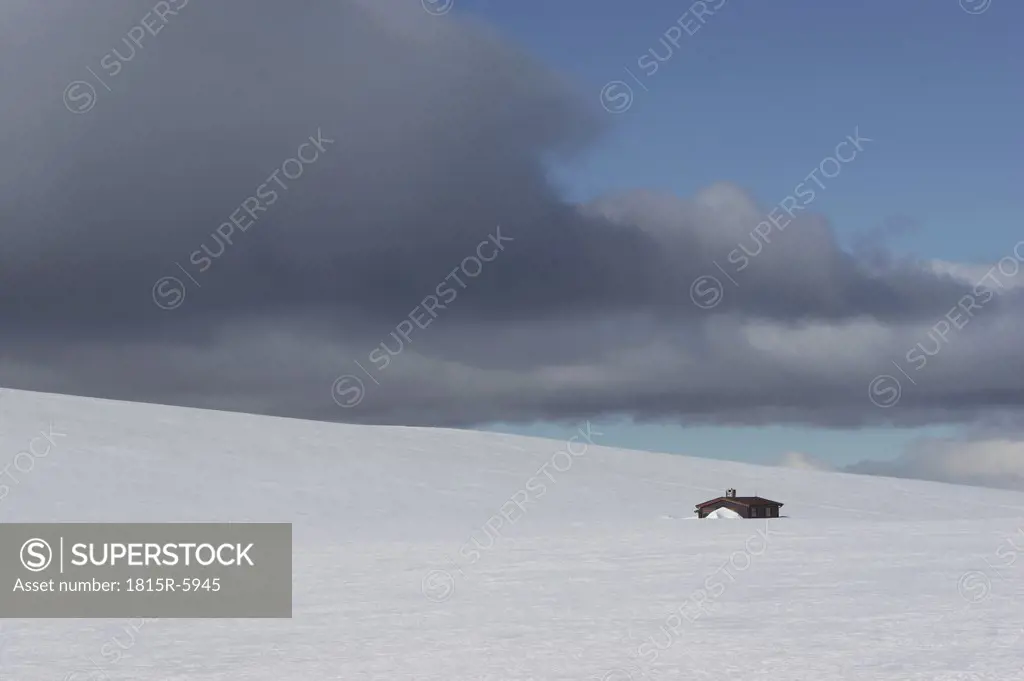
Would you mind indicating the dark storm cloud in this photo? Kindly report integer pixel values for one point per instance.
(437, 135)
(432, 134)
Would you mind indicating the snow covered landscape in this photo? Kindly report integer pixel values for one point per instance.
(455, 555)
(562, 341)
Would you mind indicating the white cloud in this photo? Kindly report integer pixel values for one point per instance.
(987, 462)
(973, 274)
(803, 462)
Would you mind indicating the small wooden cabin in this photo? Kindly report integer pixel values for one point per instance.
(747, 507)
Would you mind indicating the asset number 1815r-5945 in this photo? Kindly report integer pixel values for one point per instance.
(171, 584)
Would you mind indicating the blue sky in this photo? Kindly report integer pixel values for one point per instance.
(758, 95)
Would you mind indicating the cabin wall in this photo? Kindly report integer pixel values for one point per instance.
(731, 505)
(745, 511)
(764, 512)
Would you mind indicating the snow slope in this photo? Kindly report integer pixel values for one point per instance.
(406, 568)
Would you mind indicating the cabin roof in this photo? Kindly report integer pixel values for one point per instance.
(742, 501)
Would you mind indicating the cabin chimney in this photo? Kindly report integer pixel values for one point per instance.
(730, 494)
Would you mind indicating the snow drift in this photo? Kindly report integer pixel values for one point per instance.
(723, 513)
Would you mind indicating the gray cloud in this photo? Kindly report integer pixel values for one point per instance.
(441, 132)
